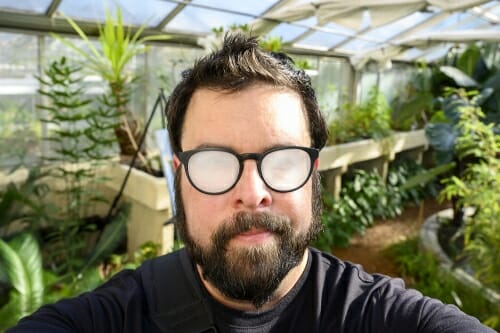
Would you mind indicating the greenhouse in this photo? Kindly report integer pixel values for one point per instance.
(409, 172)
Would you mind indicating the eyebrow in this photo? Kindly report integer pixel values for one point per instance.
(231, 149)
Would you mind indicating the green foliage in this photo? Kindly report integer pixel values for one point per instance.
(118, 262)
(372, 195)
(400, 172)
(110, 238)
(118, 46)
(478, 186)
(19, 130)
(364, 197)
(21, 267)
(472, 71)
(271, 43)
(341, 220)
(83, 137)
(370, 119)
(421, 271)
(24, 203)
(21, 263)
(413, 107)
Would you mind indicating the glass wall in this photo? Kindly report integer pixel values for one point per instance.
(20, 130)
(24, 56)
(391, 81)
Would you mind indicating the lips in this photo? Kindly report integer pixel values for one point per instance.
(253, 236)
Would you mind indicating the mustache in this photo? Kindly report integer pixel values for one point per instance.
(242, 222)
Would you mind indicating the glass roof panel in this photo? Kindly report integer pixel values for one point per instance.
(495, 10)
(490, 4)
(392, 29)
(287, 31)
(356, 45)
(291, 31)
(201, 20)
(330, 35)
(445, 24)
(322, 39)
(149, 12)
(242, 6)
(471, 23)
(410, 54)
(437, 52)
(26, 6)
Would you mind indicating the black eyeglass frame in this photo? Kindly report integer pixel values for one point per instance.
(184, 157)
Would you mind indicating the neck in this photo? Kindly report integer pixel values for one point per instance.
(284, 287)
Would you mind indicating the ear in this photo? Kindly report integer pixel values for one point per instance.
(175, 162)
(316, 164)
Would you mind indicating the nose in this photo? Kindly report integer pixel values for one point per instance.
(251, 192)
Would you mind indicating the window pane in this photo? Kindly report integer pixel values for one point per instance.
(200, 20)
(27, 6)
(149, 12)
(20, 130)
(242, 6)
(165, 65)
(331, 83)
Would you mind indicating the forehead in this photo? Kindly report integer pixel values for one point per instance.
(258, 117)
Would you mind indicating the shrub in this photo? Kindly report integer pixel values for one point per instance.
(478, 186)
(364, 196)
(370, 119)
(422, 272)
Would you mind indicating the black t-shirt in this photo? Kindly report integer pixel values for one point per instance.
(330, 296)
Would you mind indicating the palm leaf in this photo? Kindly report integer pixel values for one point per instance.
(426, 176)
(112, 235)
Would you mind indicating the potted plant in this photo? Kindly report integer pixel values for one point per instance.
(147, 193)
(118, 46)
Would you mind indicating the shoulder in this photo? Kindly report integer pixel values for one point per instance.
(373, 302)
(337, 272)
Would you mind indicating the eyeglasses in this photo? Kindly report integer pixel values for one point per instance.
(217, 170)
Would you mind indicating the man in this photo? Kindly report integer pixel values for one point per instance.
(246, 131)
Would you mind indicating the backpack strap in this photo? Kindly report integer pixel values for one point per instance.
(174, 296)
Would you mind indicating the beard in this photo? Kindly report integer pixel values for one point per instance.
(250, 273)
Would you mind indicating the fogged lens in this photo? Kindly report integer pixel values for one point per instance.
(286, 169)
(213, 171)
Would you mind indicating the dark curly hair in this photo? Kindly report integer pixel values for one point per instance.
(239, 64)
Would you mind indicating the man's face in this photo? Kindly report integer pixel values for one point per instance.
(246, 239)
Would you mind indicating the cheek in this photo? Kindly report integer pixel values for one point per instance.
(202, 212)
(297, 205)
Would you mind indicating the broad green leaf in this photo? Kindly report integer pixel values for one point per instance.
(22, 261)
(460, 78)
(110, 238)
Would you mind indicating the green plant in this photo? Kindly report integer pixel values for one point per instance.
(118, 262)
(118, 46)
(478, 186)
(413, 107)
(24, 204)
(19, 133)
(363, 197)
(471, 70)
(82, 136)
(341, 219)
(421, 271)
(369, 119)
(397, 178)
(21, 265)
